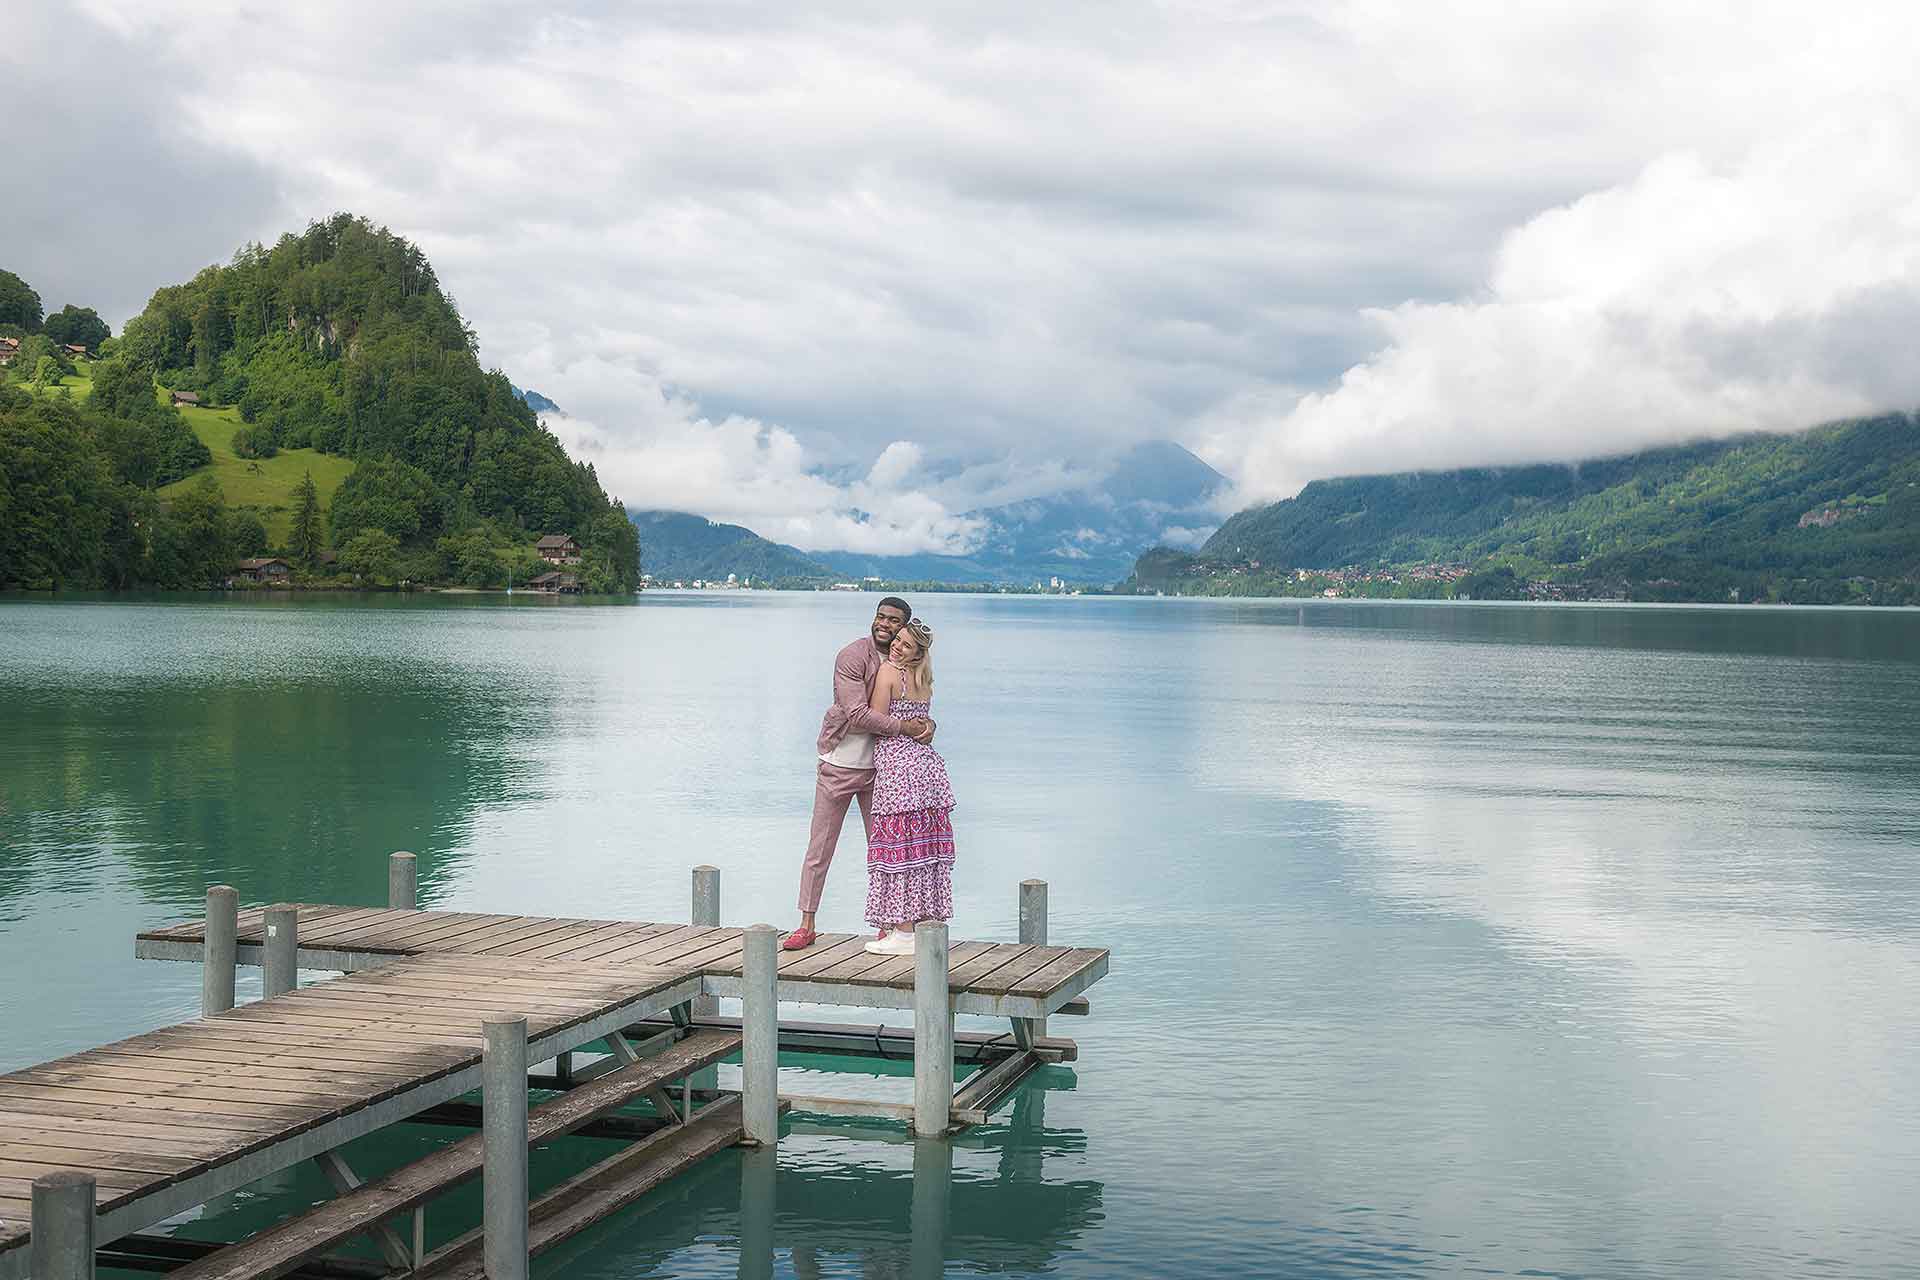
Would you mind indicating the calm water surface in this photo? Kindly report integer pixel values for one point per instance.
(1447, 939)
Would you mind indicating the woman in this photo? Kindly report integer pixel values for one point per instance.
(910, 849)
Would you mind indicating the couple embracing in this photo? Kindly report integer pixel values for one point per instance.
(876, 745)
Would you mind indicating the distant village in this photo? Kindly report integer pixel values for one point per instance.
(1428, 579)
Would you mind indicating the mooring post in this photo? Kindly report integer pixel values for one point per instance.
(503, 1124)
(280, 972)
(760, 1033)
(1033, 932)
(706, 915)
(62, 1224)
(221, 951)
(403, 882)
(932, 1031)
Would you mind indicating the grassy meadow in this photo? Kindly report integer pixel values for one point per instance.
(266, 484)
(78, 386)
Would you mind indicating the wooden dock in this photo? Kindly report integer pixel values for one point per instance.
(165, 1121)
(1000, 979)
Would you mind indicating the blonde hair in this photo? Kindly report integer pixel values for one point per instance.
(922, 667)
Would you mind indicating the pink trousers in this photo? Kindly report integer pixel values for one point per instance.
(833, 788)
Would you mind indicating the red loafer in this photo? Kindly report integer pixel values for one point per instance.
(799, 940)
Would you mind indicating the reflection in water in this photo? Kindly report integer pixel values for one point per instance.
(882, 1206)
(151, 751)
(1481, 939)
(759, 1174)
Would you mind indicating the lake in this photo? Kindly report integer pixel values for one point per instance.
(1448, 939)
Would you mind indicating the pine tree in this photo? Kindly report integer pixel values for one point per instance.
(306, 539)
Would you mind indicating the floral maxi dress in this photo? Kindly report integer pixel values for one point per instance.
(910, 850)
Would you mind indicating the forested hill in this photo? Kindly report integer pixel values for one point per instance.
(683, 548)
(341, 340)
(1828, 514)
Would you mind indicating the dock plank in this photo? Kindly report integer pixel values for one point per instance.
(47, 1150)
(856, 963)
(638, 951)
(490, 942)
(281, 1248)
(159, 1109)
(1058, 972)
(592, 952)
(317, 929)
(830, 949)
(1003, 978)
(966, 977)
(580, 941)
(442, 927)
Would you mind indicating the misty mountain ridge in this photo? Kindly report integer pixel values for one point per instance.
(1830, 515)
(1088, 536)
(1154, 492)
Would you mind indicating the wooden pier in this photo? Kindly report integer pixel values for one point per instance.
(434, 1005)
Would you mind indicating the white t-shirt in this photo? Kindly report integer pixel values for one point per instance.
(853, 751)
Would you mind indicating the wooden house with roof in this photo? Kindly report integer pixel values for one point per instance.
(264, 569)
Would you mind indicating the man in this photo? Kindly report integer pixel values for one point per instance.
(846, 755)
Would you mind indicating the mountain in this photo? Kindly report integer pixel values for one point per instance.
(1832, 513)
(536, 402)
(1090, 535)
(675, 546)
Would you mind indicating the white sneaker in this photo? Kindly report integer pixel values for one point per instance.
(897, 943)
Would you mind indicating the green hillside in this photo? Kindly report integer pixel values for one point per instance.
(335, 353)
(266, 485)
(1831, 514)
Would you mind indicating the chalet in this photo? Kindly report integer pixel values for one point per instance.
(555, 583)
(263, 570)
(74, 350)
(558, 548)
(9, 348)
(187, 398)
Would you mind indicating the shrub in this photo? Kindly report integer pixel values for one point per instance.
(252, 442)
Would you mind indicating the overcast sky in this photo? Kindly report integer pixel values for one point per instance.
(784, 264)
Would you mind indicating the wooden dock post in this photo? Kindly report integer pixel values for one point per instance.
(222, 950)
(503, 1101)
(932, 1031)
(706, 914)
(403, 882)
(1033, 931)
(62, 1246)
(760, 1033)
(280, 969)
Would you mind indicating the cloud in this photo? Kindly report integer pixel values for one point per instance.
(1180, 536)
(759, 247)
(102, 198)
(1692, 302)
(667, 455)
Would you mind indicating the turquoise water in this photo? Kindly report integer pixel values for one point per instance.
(1577, 941)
